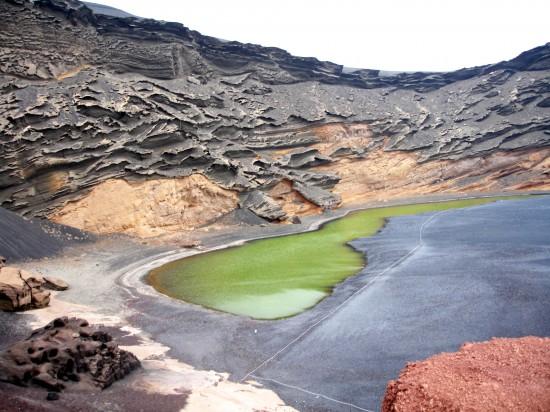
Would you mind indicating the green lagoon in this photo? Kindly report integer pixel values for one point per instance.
(282, 276)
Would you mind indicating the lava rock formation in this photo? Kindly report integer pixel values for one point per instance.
(66, 354)
(87, 97)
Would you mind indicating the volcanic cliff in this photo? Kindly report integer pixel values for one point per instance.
(123, 124)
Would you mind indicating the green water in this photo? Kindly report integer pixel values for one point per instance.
(282, 276)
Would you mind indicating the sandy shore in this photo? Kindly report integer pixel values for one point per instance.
(97, 296)
(107, 288)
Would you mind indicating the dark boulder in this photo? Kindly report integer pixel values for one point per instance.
(67, 353)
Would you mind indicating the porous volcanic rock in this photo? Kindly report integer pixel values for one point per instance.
(67, 353)
(263, 206)
(89, 97)
(499, 375)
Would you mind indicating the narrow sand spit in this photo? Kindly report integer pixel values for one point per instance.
(162, 374)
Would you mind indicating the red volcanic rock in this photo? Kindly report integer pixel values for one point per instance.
(499, 375)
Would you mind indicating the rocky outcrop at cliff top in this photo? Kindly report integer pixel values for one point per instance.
(499, 375)
(67, 353)
(89, 97)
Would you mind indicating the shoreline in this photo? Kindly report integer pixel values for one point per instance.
(135, 278)
(107, 286)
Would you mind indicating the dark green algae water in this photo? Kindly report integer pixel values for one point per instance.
(282, 276)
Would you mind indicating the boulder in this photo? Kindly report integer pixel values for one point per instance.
(502, 374)
(67, 353)
(2, 262)
(320, 197)
(263, 206)
(21, 290)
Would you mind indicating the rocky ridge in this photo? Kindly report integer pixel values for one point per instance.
(86, 98)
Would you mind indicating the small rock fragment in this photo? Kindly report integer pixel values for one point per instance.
(55, 283)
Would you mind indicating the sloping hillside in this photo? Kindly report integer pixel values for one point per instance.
(90, 98)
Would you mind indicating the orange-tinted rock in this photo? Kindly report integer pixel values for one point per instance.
(499, 375)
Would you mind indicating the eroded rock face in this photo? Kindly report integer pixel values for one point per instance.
(87, 98)
(148, 208)
(67, 353)
(263, 206)
(21, 290)
(499, 375)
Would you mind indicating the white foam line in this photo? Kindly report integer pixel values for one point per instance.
(320, 395)
(334, 310)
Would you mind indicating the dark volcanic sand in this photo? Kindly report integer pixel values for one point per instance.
(22, 238)
(482, 272)
(117, 398)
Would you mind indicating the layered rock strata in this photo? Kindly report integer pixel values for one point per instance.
(89, 98)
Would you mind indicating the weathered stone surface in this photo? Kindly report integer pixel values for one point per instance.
(148, 208)
(263, 206)
(67, 353)
(87, 97)
(320, 197)
(54, 283)
(21, 290)
(304, 158)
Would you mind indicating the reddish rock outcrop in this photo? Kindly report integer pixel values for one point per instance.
(499, 375)
(66, 353)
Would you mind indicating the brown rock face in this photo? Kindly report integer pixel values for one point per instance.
(21, 290)
(498, 375)
(148, 208)
(66, 353)
(87, 99)
(55, 283)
